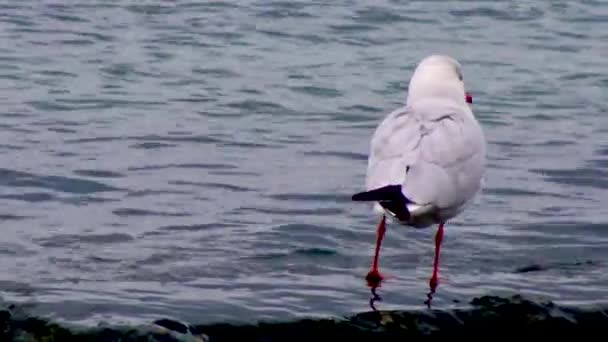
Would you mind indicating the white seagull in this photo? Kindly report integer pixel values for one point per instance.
(427, 158)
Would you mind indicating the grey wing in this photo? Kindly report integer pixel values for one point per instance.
(393, 148)
(450, 163)
(437, 160)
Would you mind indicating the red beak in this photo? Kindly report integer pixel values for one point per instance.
(469, 97)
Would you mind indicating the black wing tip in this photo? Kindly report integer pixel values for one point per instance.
(390, 198)
(385, 193)
(360, 197)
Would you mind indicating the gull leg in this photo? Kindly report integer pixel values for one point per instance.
(374, 277)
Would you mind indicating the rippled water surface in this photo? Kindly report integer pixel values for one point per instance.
(196, 160)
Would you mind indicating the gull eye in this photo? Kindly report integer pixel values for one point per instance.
(458, 72)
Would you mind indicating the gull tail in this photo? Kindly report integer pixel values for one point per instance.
(389, 197)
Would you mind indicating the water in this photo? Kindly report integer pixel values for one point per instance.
(196, 160)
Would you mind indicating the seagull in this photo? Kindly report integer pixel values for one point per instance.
(427, 158)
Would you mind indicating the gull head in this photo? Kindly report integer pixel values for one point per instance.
(438, 77)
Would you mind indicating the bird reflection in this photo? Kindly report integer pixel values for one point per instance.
(374, 284)
(374, 298)
(429, 296)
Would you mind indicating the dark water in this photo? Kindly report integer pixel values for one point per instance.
(195, 161)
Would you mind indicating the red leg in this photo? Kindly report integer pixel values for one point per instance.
(374, 277)
(438, 238)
